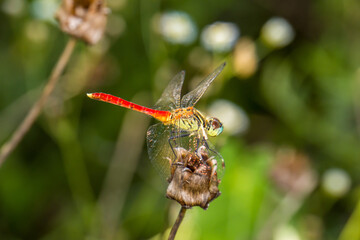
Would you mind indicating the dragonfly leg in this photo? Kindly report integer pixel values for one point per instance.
(213, 151)
(197, 147)
(213, 164)
(173, 139)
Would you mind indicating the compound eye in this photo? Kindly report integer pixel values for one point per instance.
(215, 123)
(215, 127)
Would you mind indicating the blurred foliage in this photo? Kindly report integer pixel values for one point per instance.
(82, 171)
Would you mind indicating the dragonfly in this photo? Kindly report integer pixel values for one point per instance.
(181, 125)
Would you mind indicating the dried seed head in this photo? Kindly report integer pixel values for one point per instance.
(193, 180)
(292, 172)
(83, 19)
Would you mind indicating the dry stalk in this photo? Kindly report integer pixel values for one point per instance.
(177, 223)
(34, 112)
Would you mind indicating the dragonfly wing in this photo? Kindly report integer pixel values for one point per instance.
(191, 98)
(170, 98)
(159, 149)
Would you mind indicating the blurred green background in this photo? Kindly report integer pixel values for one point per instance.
(288, 97)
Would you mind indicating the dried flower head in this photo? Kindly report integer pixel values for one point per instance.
(83, 19)
(292, 172)
(245, 58)
(193, 181)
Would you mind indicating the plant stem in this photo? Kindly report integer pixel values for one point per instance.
(177, 223)
(34, 112)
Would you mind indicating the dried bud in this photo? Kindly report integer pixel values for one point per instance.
(83, 19)
(292, 172)
(245, 58)
(193, 181)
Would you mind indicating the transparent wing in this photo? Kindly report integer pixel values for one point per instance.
(191, 98)
(170, 98)
(159, 149)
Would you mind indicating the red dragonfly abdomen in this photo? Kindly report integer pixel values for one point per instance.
(162, 116)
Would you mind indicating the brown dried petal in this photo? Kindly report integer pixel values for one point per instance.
(83, 19)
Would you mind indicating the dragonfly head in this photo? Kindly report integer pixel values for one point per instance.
(214, 126)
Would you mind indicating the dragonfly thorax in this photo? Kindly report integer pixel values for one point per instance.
(190, 119)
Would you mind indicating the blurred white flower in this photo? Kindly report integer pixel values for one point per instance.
(286, 232)
(177, 27)
(231, 115)
(13, 7)
(44, 9)
(336, 182)
(220, 36)
(245, 58)
(277, 32)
